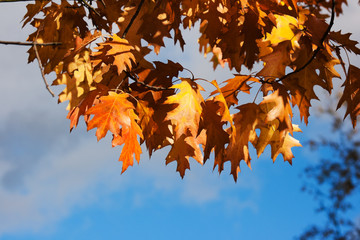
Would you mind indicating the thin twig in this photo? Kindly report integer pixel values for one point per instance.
(9, 1)
(136, 79)
(315, 52)
(90, 7)
(30, 43)
(257, 93)
(132, 19)
(42, 70)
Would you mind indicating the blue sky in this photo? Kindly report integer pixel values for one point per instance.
(57, 185)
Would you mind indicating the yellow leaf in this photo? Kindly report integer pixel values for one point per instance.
(185, 124)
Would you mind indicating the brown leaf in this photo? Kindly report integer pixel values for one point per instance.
(345, 41)
(276, 61)
(245, 123)
(316, 27)
(351, 94)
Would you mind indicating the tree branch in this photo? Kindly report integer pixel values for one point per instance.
(133, 18)
(29, 43)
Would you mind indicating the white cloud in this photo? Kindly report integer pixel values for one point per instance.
(65, 178)
(68, 178)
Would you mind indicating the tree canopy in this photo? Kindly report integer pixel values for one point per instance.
(98, 51)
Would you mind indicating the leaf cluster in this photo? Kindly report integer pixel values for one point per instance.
(116, 89)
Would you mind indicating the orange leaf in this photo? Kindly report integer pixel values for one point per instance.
(128, 136)
(110, 113)
(116, 51)
(234, 86)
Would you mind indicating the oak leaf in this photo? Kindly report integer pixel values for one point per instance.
(111, 113)
(128, 136)
(279, 108)
(351, 94)
(77, 77)
(185, 120)
(234, 86)
(215, 114)
(345, 41)
(283, 144)
(115, 51)
(245, 122)
(276, 61)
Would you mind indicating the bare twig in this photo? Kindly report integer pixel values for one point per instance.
(133, 19)
(317, 50)
(42, 70)
(30, 43)
(9, 1)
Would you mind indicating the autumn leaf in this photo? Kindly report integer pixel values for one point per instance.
(216, 113)
(275, 62)
(216, 136)
(86, 103)
(185, 124)
(284, 31)
(234, 86)
(77, 77)
(279, 108)
(119, 87)
(110, 113)
(61, 23)
(345, 41)
(316, 27)
(128, 136)
(270, 134)
(351, 94)
(245, 122)
(281, 144)
(116, 51)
